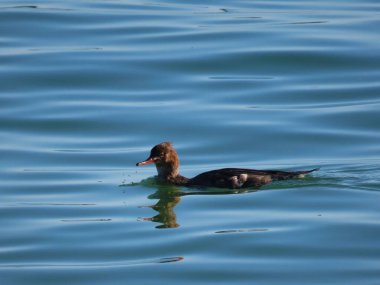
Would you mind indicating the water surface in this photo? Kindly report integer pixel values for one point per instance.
(88, 87)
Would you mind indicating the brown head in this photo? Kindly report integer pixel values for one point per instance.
(166, 160)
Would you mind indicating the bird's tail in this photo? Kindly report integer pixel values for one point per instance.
(282, 175)
(301, 174)
(308, 171)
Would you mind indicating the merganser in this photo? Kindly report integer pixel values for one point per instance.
(166, 160)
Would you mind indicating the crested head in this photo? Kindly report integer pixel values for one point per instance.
(166, 160)
(161, 149)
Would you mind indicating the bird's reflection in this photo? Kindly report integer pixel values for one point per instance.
(169, 196)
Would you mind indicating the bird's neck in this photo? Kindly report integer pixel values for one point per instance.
(166, 171)
(170, 173)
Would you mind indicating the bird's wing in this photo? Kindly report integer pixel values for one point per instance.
(242, 178)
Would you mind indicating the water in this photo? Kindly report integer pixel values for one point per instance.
(88, 87)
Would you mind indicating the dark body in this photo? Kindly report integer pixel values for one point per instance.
(242, 178)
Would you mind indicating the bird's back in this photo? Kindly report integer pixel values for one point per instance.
(241, 178)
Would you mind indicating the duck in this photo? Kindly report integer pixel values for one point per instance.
(166, 160)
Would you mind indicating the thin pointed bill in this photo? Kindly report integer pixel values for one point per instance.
(150, 160)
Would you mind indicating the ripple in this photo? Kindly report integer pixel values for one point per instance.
(241, 231)
(309, 22)
(93, 265)
(87, 220)
(242, 78)
(57, 204)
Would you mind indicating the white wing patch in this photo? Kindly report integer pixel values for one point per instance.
(238, 181)
(243, 178)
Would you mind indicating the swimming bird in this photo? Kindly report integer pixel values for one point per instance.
(165, 157)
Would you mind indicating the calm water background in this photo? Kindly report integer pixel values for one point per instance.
(88, 87)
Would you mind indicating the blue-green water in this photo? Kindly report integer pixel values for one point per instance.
(88, 87)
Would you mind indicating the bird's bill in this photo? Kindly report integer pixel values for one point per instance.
(150, 160)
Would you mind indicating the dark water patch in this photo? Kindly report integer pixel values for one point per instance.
(18, 7)
(309, 22)
(37, 7)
